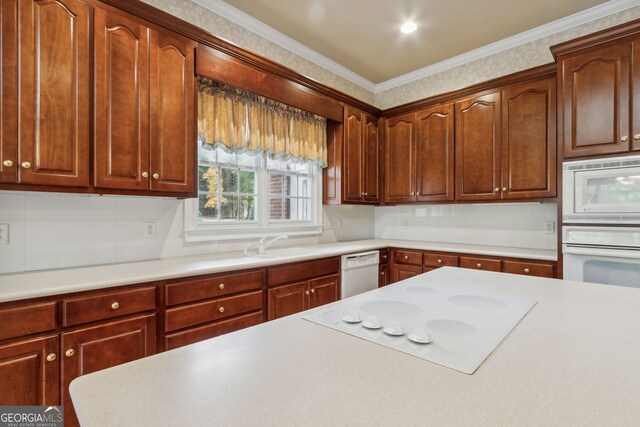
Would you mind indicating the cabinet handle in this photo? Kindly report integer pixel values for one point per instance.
(479, 265)
(115, 305)
(7, 163)
(636, 136)
(221, 286)
(26, 165)
(504, 188)
(306, 292)
(70, 352)
(313, 291)
(624, 138)
(145, 174)
(495, 190)
(155, 176)
(221, 309)
(526, 270)
(439, 261)
(51, 357)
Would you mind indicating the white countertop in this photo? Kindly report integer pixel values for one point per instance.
(54, 282)
(572, 360)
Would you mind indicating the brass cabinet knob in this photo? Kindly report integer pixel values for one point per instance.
(504, 188)
(366, 194)
(155, 176)
(418, 193)
(382, 273)
(8, 163)
(221, 286)
(413, 193)
(384, 256)
(51, 357)
(526, 270)
(313, 291)
(624, 138)
(306, 292)
(70, 352)
(145, 174)
(26, 165)
(636, 136)
(479, 265)
(439, 261)
(406, 257)
(495, 190)
(115, 305)
(221, 309)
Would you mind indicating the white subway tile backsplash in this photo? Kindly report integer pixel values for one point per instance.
(102, 231)
(74, 232)
(102, 253)
(12, 207)
(74, 207)
(42, 257)
(42, 233)
(74, 255)
(42, 207)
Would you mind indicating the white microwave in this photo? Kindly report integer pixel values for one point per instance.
(601, 191)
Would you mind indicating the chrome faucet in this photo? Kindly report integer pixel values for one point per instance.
(263, 244)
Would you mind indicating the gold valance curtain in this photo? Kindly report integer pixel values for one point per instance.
(242, 121)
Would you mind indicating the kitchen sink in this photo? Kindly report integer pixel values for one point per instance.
(288, 252)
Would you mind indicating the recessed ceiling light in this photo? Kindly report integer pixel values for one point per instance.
(408, 27)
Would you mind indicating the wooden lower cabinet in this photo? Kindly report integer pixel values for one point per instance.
(296, 297)
(98, 347)
(477, 263)
(404, 271)
(384, 277)
(29, 372)
(538, 269)
(324, 290)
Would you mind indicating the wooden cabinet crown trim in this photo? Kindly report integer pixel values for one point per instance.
(613, 34)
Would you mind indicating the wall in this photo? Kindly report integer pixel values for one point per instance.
(519, 225)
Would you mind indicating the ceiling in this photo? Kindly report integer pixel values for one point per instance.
(363, 35)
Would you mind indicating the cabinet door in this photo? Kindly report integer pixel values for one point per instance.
(121, 62)
(9, 89)
(595, 101)
(99, 347)
(435, 153)
(172, 120)
(529, 140)
(371, 146)
(324, 290)
(54, 92)
(403, 271)
(383, 278)
(400, 159)
(288, 299)
(635, 84)
(353, 156)
(478, 148)
(29, 372)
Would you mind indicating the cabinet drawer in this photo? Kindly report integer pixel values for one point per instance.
(529, 268)
(28, 319)
(407, 257)
(205, 332)
(384, 256)
(439, 260)
(199, 288)
(488, 264)
(195, 314)
(107, 305)
(302, 271)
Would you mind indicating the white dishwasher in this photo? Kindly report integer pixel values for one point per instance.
(359, 273)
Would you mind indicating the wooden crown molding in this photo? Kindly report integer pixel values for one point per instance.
(617, 33)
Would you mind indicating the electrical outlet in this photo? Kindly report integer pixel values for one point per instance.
(550, 227)
(405, 222)
(150, 230)
(4, 234)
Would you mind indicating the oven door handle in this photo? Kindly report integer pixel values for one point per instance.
(608, 251)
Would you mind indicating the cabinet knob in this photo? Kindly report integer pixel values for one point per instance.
(366, 194)
(413, 193)
(155, 176)
(221, 309)
(636, 136)
(406, 257)
(439, 261)
(70, 352)
(51, 357)
(624, 138)
(221, 286)
(495, 190)
(26, 165)
(504, 188)
(313, 291)
(418, 193)
(115, 305)
(384, 256)
(7, 163)
(526, 270)
(479, 265)
(306, 292)
(382, 273)
(145, 174)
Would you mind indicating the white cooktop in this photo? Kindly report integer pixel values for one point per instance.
(464, 327)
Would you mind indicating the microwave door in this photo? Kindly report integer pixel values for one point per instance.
(612, 191)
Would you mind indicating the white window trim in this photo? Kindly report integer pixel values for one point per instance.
(195, 231)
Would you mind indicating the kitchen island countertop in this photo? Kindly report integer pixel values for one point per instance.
(572, 360)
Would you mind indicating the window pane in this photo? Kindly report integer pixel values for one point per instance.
(229, 208)
(247, 208)
(209, 180)
(275, 208)
(229, 180)
(275, 184)
(290, 185)
(290, 209)
(247, 182)
(208, 209)
(304, 206)
(304, 186)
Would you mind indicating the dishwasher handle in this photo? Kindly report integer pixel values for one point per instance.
(362, 259)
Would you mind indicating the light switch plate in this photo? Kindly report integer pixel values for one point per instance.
(4, 234)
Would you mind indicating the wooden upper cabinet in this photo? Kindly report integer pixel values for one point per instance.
(172, 116)
(478, 148)
(529, 140)
(435, 133)
(371, 146)
(400, 159)
(595, 101)
(353, 155)
(635, 84)
(45, 92)
(121, 143)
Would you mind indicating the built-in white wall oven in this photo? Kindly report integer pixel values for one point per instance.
(601, 220)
